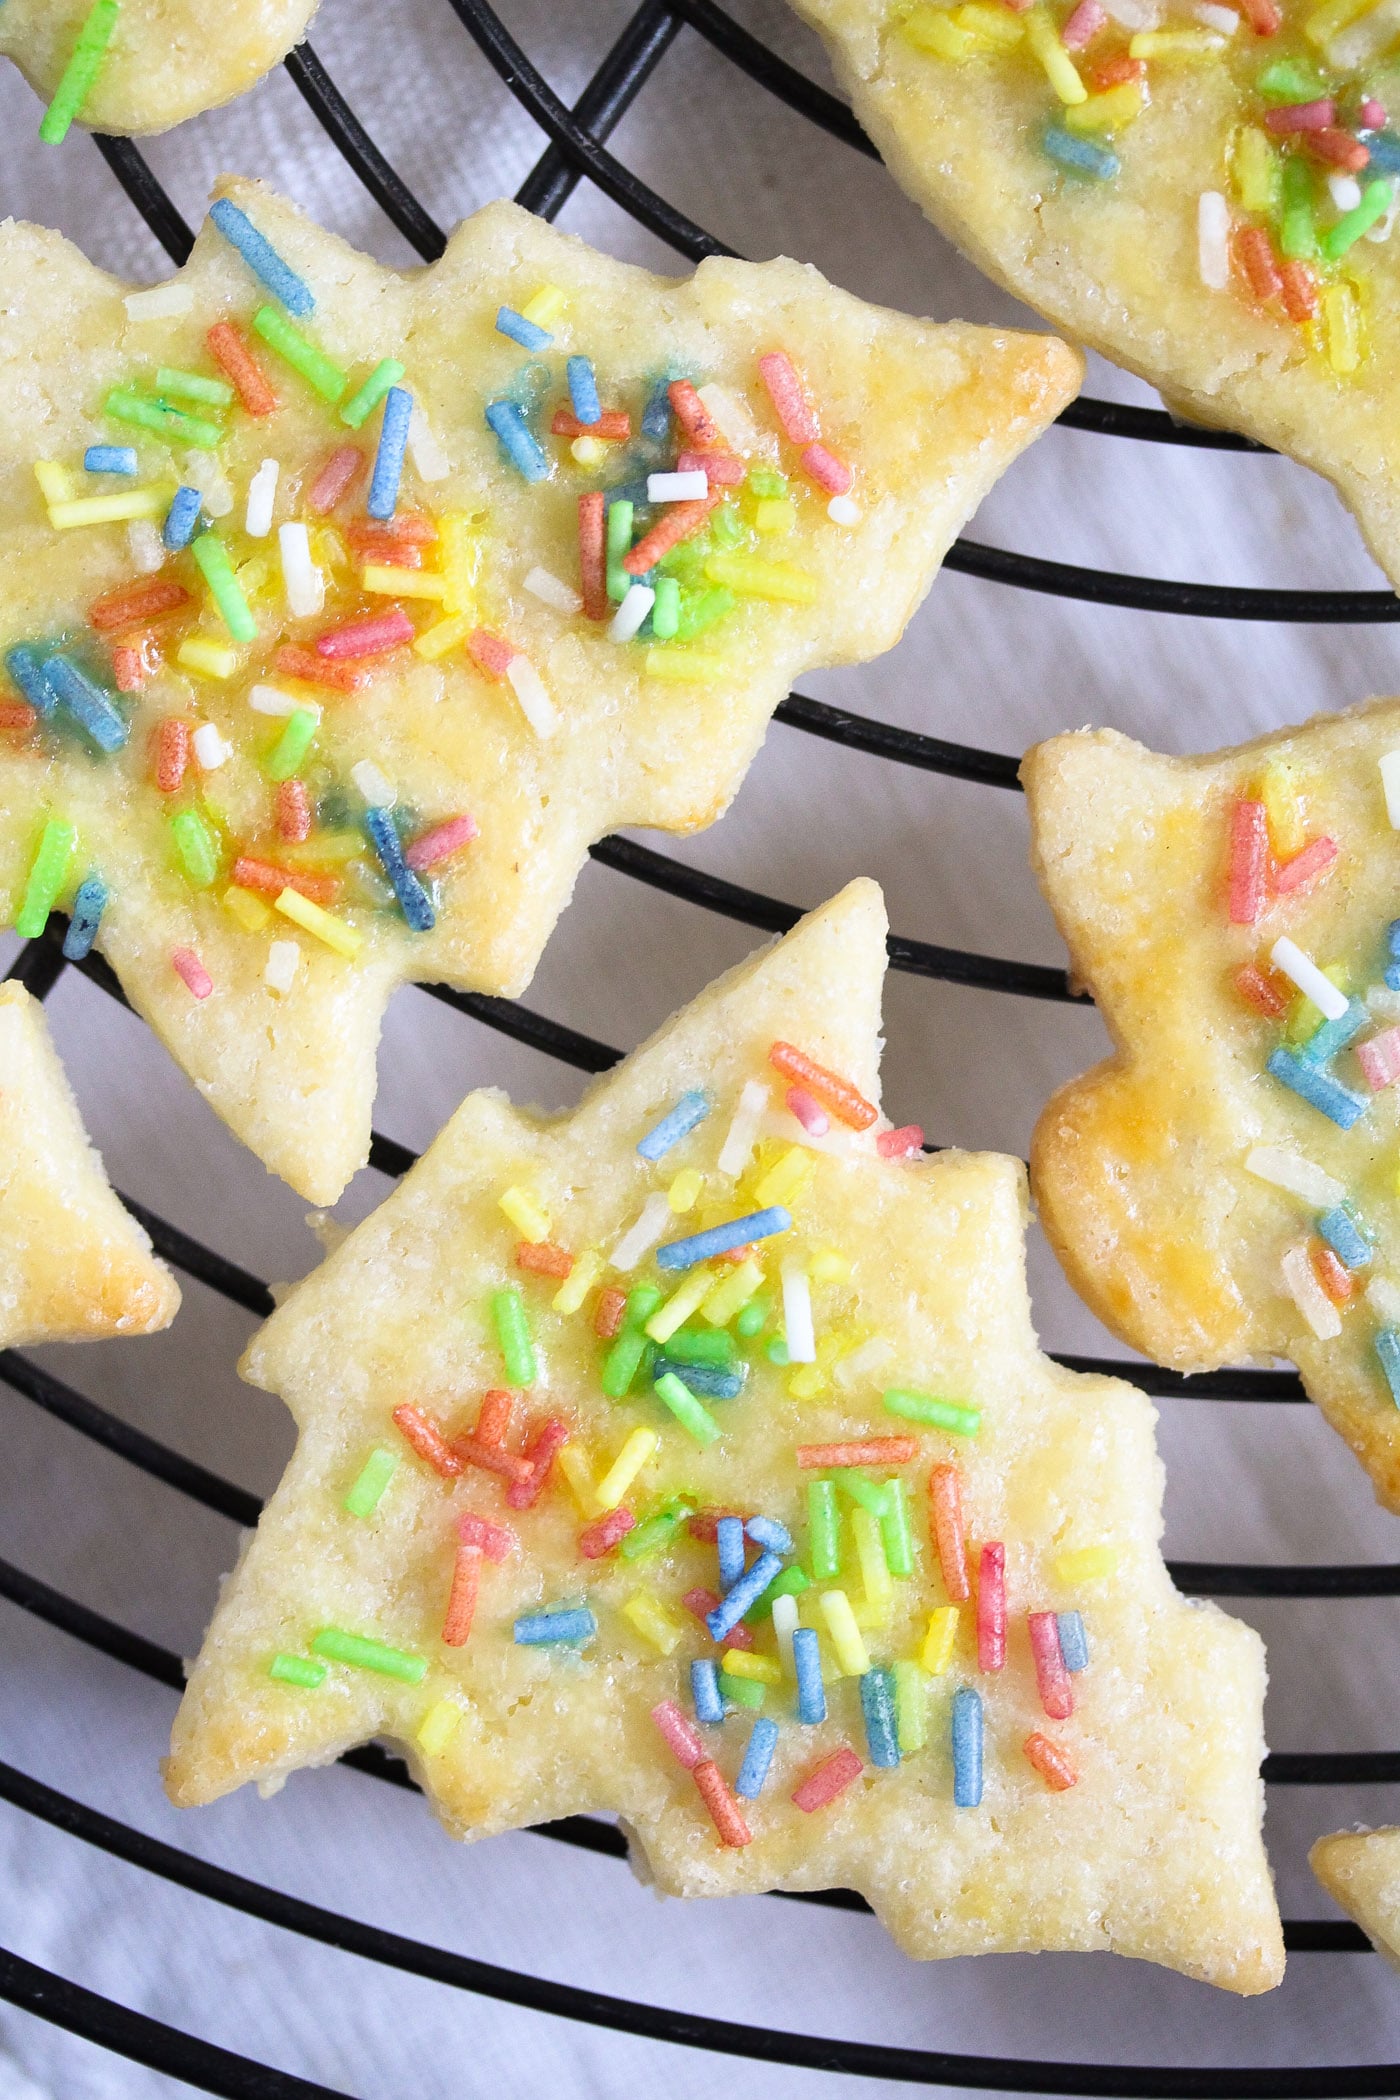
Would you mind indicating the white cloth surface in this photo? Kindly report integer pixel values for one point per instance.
(981, 663)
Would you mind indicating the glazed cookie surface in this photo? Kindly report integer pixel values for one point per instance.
(74, 1265)
(716, 1396)
(1360, 1869)
(1203, 193)
(1224, 1187)
(351, 672)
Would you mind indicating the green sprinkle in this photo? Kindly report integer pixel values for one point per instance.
(82, 69)
(776, 1351)
(124, 405)
(193, 386)
(753, 1317)
(286, 755)
(46, 878)
(703, 611)
(824, 1530)
(666, 612)
(870, 1494)
(653, 1533)
(211, 559)
(711, 1345)
(1375, 203)
(641, 1304)
(374, 1476)
(620, 516)
(937, 1414)
(727, 528)
(894, 1531)
(320, 372)
(1288, 81)
(622, 1362)
(791, 1583)
(1297, 237)
(363, 1654)
(696, 1420)
(385, 374)
(513, 1334)
(767, 482)
(743, 1691)
(196, 847)
(910, 1706)
(297, 1669)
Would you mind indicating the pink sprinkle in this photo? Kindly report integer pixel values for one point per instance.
(725, 469)
(991, 1607)
(830, 1778)
(494, 1540)
(490, 653)
(1372, 114)
(808, 1111)
(1052, 1678)
(1083, 25)
(187, 965)
(790, 403)
(339, 474)
(680, 1738)
(700, 1602)
(599, 1538)
(1305, 867)
(905, 1143)
(540, 1456)
(360, 638)
(1302, 116)
(441, 842)
(1379, 1059)
(828, 472)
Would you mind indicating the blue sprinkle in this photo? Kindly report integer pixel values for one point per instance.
(1388, 1350)
(262, 258)
(583, 389)
(712, 1381)
(807, 1667)
(1392, 977)
(877, 1705)
(1392, 938)
(110, 459)
(746, 1591)
(967, 1749)
(729, 1544)
(26, 669)
(656, 416)
(89, 706)
(767, 1531)
(634, 492)
(388, 460)
(690, 1110)
(759, 1225)
(705, 1691)
(529, 337)
(519, 446)
(85, 918)
(414, 901)
(1384, 149)
(1319, 1089)
(1080, 157)
(181, 519)
(1331, 1036)
(543, 1628)
(757, 1758)
(1074, 1642)
(1345, 1237)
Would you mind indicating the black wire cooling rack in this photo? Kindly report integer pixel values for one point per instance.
(577, 151)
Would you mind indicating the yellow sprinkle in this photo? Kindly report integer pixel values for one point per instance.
(1303, 1016)
(334, 846)
(683, 1301)
(109, 510)
(762, 1669)
(684, 1190)
(1332, 18)
(210, 659)
(686, 666)
(784, 1183)
(435, 641)
(459, 558)
(529, 1218)
(942, 1632)
(807, 1381)
(1089, 1564)
(247, 908)
(781, 582)
(545, 307)
(1279, 794)
(578, 1283)
(389, 582)
(589, 451)
(829, 1265)
(573, 1464)
(1341, 321)
(1060, 69)
(875, 1576)
(655, 1622)
(870, 1618)
(732, 1293)
(933, 29)
(851, 1652)
(624, 1469)
(55, 481)
(1174, 43)
(346, 940)
(1254, 168)
(1108, 111)
(992, 25)
(774, 515)
(438, 1726)
(910, 1707)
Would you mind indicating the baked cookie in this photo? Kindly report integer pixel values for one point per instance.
(344, 610)
(1360, 1869)
(74, 1266)
(1203, 192)
(1224, 1187)
(143, 65)
(715, 1398)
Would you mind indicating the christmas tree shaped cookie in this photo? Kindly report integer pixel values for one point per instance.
(74, 1267)
(342, 610)
(1360, 1869)
(1205, 193)
(691, 1456)
(143, 65)
(1224, 1187)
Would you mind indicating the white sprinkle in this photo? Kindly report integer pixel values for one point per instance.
(210, 748)
(283, 962)
(1346, 191)
(864, 1364)
(305, 585)
(1224, 19)
(732, 419)
(1285, 955)
(1308, 1295)
(641, 1236)
(163, 302)
(737, 1149)
(1289, 1170)
(204, 471)
(1390, 782)
(839, 1141)
(843, 510)
(1213, 240)
(1383, 1003)
(628, 618)
(784, 1627)
(535, 704)
(1383, 1298)
(1134, 14)
(552, 590)
(429, 458)
(678, 488)
(262, 494)
(1364, 40)
(271, 700)
(798, 1331)
(374, 784)
(145, 546)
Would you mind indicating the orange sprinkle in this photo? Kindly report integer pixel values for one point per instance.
(1298, 290)
(137, 603)
(1335, 149)
(830, 1088)
(866, 1451)
(1050, 1761)
(293, 811)
(945, 1520)
(614, 426)
(294, 660)
(1254, 259)
(724, 1809)
(237, 362)
(694, 418)
(250, 873)
(461, 1601)
(1331, 1273)
(678, 522)
(129, 667)
(493, 1460)
(493, 1421)
(372, 545)
(1266, 990)
(543, 1258)
(17, 714)
(593, 554)
(172, 754)
(1117, 72)
(608, 1312)
(1262, 16)
(427, 1439)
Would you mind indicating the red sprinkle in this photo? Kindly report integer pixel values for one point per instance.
(1083, 25)
(701, 1602)
(1264, 990)
(1304, 868)
(1379, 1059)
(1255, 260)
(137, 603)
(829, 473)
(724, 1809)
(946, 1526)
(1249, 861)
(293, 660)
(251, 874)
(540, 1456)
(870, 1451)
(493, 1417)
(1301, 116)
(492, 1459)
(703, 1524)
(1298, 290)
(334, 479)
(494, 1540)
(1051, 1763)
(361, 638)
(18, 714)
(605, 1533)
(427, 1439)
(1117, 71)
(678, 1735)
(237, 362)
(1331, 1273)
(614, 426)
(1052, 1679)
(845, 1102)
(441, 842)
(188, 967)
(593, 554)
(790, 403)
(680, 521)
(293, 811)
(608, 1312)
(828, 1779)
(489, 653)
(725, 469)
(461, 1602)
(543, 1258)
(808, 1111)
(1337, 149)
(1263, 16)
(172, 754)
(694, 418)
(905, 1143)
(375, 544)
(991, 1607)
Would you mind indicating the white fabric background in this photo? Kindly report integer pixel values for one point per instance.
(985, 664)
